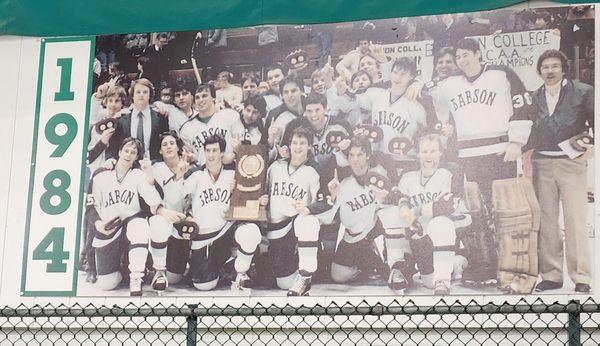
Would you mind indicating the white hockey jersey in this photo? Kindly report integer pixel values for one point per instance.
(356, 205)
(421, 191)
(225, 123)
(210, 198)
(322, 151)
(288, 185)
(396, 118)
(489, 110)
(168, 187)
(114, 197)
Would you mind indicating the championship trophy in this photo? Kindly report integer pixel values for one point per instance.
(250, 184)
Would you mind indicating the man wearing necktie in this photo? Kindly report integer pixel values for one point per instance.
(142, 123)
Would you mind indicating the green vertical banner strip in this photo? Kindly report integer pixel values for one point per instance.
(57, 175)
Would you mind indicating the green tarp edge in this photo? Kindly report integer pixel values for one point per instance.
(81, 17)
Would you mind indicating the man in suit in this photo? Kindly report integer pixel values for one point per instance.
(142, 123)
(566, 109)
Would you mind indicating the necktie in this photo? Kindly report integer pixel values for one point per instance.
(140, 127)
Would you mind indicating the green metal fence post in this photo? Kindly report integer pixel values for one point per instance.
(192, 324)
(574, 327)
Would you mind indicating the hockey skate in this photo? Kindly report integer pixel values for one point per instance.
(135, 287)
(397, 282)
(242, 283)
(441, 288)
(159, 282)
(301, 286)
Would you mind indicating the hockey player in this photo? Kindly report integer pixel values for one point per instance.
(252, 116)
(491, 110)
(272, 96)
(250, 87)
(210, 189)
(117, 211)
(397, 117)
(228, 93)
(166, 175)
(293, 189)
(328, 158)
(209, 121)
(356, 204)
(292, 93)
(114, 98)
(428, 207)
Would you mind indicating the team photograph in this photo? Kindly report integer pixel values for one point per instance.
(436, 155)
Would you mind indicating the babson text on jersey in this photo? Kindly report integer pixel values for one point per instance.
(119, 196)
(361, 201)
(424, 197)
(467, 97)
(391, 119)
(203, 135)
(288, 189)
(214, 195)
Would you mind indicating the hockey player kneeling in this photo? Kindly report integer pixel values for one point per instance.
(428, 208)
(117, 212)
(357, 199)
(293, 229)
(210, 189)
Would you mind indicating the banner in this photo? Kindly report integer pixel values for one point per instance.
(423, 156)
(519, 51)
(421, 51)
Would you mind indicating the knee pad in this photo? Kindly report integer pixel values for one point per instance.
(138, 231)
(160, 229)
(247, 237)
(206, 286)
(441, 231)
(109, 281)
(285, 283)
(173, 278)
(306, 228)
(342, 274)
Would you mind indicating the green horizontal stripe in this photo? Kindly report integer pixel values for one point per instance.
(77, 17)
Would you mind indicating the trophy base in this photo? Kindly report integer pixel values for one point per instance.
(252, 211)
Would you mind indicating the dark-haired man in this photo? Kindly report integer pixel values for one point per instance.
(356, 205)
(491, 110)
(565, 109)
(207, 121)
(293, 203)
(210, 189)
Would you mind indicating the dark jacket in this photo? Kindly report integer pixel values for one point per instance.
(574, 114)
(159, 124)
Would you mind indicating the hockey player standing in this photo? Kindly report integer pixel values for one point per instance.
(210, 121)
(491, 110)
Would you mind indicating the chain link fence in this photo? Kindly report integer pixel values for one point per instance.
(522, 323)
